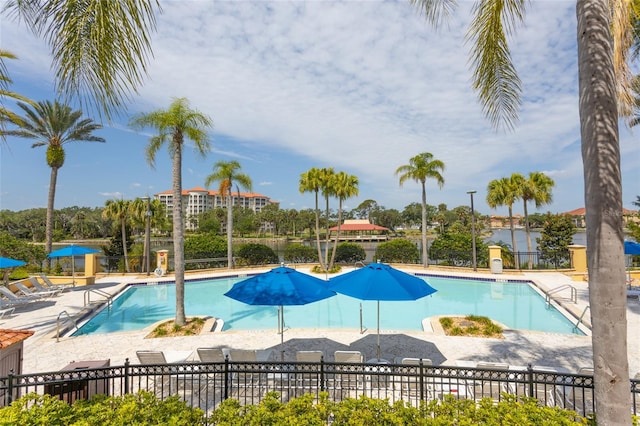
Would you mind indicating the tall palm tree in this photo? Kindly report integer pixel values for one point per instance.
(227, 174)
(420, 168)
(344, 186)
(604, 32)
(537, 188)
(327, 176)
(174, 125)
(53, 125)
(100, 49)
(310, 182)
(505, 192)
(121, 211)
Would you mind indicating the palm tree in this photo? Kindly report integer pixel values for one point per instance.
(537, 188)
(120, 210)
(100, 49)
(344, 186)
(5, 81)
(505, 192)
(327, 176)
(53, 125)
(174, 125)
(604, 31)
(310, 182)
(227, 173)
(421, 167)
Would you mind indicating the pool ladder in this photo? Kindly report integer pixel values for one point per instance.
(69, 319)
(87, 296)
(574, 293)
(580, 321)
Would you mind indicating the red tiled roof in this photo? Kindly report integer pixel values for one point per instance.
(582, 211)
(359, 227)
(9, 337)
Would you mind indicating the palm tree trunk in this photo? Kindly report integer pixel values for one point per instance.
(425, 252)
(48, 245)
(603, 203)
(178, 235)
(326, 232)
(230, 229)
(513, 239)
(528, 232)
(123, 230)
(318, 233)
(335, 243)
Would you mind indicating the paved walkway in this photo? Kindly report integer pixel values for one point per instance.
(44, 353)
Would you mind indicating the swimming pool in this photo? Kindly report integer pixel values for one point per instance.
(515, 304)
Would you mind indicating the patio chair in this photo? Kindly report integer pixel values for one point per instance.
(211, 354)
(35, 293)
(6, 311)
(12, 299)
(409, 380)
(211, 377)
(47, 283)
(35, 283)
(348, 377)
(308, 372)
(248, 378)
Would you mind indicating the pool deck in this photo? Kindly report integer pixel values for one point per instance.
(42, 353)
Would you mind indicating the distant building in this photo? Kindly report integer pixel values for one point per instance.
(578, 216)
(360, 230)
(198, 200)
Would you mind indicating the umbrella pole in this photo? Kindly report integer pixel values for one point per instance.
(379, 330)
(73, 270)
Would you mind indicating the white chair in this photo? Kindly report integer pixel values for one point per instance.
(35, 293)
(51, 286)
(410, 380)
(308, 376)
(248, 378)
(35, 283)
(352, 378)
(211, 354)
(12, 299)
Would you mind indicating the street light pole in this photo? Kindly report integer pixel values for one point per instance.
(473, 231)
(147, 235)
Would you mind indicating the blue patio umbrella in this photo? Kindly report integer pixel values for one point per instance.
(631, 248)
(6, 262)
(72, 251)
(378, 281)
(280, 287)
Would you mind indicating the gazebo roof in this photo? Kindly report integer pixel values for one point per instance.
(359, 225)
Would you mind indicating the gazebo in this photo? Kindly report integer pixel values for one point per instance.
(361, 230)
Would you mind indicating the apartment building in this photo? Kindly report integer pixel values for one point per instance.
(198, 200)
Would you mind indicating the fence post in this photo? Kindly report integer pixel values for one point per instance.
(530, 373)
(322, 365)
(10, 387)
(226, 377)
(421, 379)
(126, 376)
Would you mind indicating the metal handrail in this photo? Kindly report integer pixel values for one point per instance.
(574, 293)
(58, 323)
(586, 308)
(87, 296)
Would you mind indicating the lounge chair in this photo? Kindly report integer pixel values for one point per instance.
(309, 356)
(308, 375)
(409, 380)
(247, 377)
(35, 293)
(51, 286)
(352, 378)
(6, 311)
(12, 299)
(211, 354)
(43, 287)
(633, 291)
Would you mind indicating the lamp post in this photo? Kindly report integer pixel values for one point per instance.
(473, 231)
(147, 235)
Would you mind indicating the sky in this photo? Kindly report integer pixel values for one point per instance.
(360, 86)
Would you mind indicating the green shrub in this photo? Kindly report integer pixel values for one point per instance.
(350, 253)
(142, 408)
(400, 250)
(300, 253)
(446, 322)
(255, 254)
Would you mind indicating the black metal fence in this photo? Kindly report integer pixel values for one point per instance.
(207, 384)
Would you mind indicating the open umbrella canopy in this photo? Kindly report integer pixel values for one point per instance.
(281, 286)
(631, 248)
(378, 281)
(72, 250)
(6, 262)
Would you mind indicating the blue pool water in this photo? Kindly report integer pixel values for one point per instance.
(514, 304)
